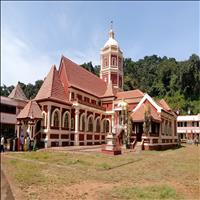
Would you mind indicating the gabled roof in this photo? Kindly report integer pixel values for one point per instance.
(138, 115)
(151, 100)
(82, 79)
(52, 87)
(109, 91)
(17, 93)
(130, 94)
(165, 105)
(31, 110)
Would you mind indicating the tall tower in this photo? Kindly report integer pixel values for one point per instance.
(112, 62)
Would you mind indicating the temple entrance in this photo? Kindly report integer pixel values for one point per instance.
(139, 131)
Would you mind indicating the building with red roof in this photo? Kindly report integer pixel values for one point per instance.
(11, 106)
(76, 107)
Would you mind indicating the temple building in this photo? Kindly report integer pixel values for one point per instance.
(76, 107)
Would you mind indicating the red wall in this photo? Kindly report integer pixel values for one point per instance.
(114, 78)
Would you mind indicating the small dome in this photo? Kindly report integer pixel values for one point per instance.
(111, 42)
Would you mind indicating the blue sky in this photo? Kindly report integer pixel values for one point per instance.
(34, 35)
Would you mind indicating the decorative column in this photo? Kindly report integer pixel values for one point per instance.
(18, 128)
(113, 123)
(69, 133)
(76, 127)
(49, 118)
(60, 119)
(100, 134)
(60, 127)
(93, 133)
(85, 129)
(109, 67)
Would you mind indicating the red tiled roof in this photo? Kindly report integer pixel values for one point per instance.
(52, 87)
(109, 91)
(130, 94)
(17, 93)
(164, 105)
(82, 79)
(31, 110)
(138, 115)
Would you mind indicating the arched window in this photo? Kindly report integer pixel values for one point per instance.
(56, 119)
(90, 124)
(82, 122)
(106, 126)
(66, 120)
(105, 62)
(98, 127)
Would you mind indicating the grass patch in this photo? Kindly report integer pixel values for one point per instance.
(104, 165)
(148, 192)
(50, 173)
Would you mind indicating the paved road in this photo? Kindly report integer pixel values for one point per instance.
(6, 192)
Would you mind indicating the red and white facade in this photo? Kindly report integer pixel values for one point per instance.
(75, 107)
(188, 127)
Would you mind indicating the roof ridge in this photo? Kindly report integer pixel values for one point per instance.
(29, 108)
(82, 68)
(18, 93)
(52, 80)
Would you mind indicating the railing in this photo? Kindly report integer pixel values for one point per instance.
(188, 129)
(133, 144)
(90, 104)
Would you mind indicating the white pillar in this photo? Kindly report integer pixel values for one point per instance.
(49, 118)
(100, 138)
(18, 130)
(60, 127)
(93, 133)
(85, 129)
(76, 127)
(113, 123)
(60, 119)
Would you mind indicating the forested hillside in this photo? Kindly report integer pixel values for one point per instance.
(176, 81)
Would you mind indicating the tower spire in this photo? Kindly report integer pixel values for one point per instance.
(111, 33)
(111, 25)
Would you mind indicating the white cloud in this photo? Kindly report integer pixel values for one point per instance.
(19, 62)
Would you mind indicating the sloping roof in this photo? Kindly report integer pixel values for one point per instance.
(138, 115)
(17, 93)
(52, 87)
(31, 110)
(130, 94)
(164, 105)
(109, 91)
(80, 78)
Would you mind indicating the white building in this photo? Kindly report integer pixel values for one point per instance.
(188, 127)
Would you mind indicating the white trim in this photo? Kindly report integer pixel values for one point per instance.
(102, 124)
(45, 118)
(69, 119)
(90, 116)
(146, 96)
(53, 113)
(95, 124)
(81, 125)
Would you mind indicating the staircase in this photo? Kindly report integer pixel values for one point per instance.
(138, 147)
